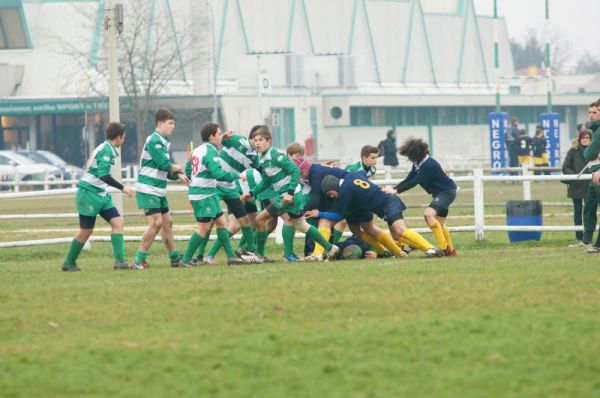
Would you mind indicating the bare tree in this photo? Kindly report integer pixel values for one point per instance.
(156, 56)
(531, 50)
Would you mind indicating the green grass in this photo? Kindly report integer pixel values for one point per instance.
(517, 320)
(499, 320)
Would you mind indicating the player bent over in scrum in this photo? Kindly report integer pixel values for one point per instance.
(356, 200)
(281, 176)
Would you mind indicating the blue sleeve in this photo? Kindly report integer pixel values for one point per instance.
(410, 181)
(330, 216)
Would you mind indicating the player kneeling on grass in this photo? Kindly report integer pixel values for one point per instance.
(92, 199)
(357, 199)
(205, 171)
(281, 175)
(429, 174)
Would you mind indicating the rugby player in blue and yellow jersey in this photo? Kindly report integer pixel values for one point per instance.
(358, 198)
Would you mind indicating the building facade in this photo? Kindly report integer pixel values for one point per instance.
(334, 75)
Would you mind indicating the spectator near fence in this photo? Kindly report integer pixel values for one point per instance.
(592, 195)
(512, 138)
(387, 149)
(573, 164)
(538, 146)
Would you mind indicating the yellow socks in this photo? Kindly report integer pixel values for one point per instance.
(385, 239)
(415, 240)
(447, 236)
(436, 228)
(326, 232)
(367, 238)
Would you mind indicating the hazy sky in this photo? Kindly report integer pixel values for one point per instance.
(577, 20)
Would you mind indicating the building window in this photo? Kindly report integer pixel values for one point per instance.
(13, 27)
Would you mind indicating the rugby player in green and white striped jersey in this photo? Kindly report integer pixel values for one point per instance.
(281, 176)
(205, 172)
(367, 162)
(155, 169)
(236, 155)
(92, 199)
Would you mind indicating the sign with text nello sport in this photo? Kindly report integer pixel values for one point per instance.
(551, 124)
(498, 124)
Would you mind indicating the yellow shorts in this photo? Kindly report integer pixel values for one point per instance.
(524, 160)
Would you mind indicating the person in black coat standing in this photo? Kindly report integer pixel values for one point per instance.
(387, 149)
(573, 164)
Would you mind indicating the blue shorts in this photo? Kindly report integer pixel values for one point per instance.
(442, 201)
(392, 209)
(359, 216)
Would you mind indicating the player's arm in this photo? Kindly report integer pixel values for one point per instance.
(290, 169)
(410, 181)
(104, 175)
(328, 215)
(591, 152)
(213, 165)
(229, 140)
(160, 156)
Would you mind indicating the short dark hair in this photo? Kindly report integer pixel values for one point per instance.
(390, 133)
(367, 150)
(114, 130)
(253, 130)
(162, 115)
(265, 132)
(208, 129)
(415, 149)
(593, 104)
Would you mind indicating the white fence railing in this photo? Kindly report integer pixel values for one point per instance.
(477, 178)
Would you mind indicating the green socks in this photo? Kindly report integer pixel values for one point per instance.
(261, 240)
(223, 235)
(317, 237)
(174, 254)
(140, 255)
(248, 238)
(118, 247)
(203, 244)
(288, 232)
(74, 251)
(337, 235)
(192, 246)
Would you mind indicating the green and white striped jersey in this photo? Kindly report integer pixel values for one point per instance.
(155, 166)
(359, 166)
(204, 170)
(278, 172)
(98, 165)
(236, 156)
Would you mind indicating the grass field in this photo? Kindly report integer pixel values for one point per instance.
(499, 320)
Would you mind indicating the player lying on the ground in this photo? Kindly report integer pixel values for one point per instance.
(428, 173)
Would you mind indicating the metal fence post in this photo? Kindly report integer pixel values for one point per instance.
(526, 184)
(478, 203)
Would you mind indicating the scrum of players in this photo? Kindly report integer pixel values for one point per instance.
(260, 184)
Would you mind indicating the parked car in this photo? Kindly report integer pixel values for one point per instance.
(13, 165)
(69, 171)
